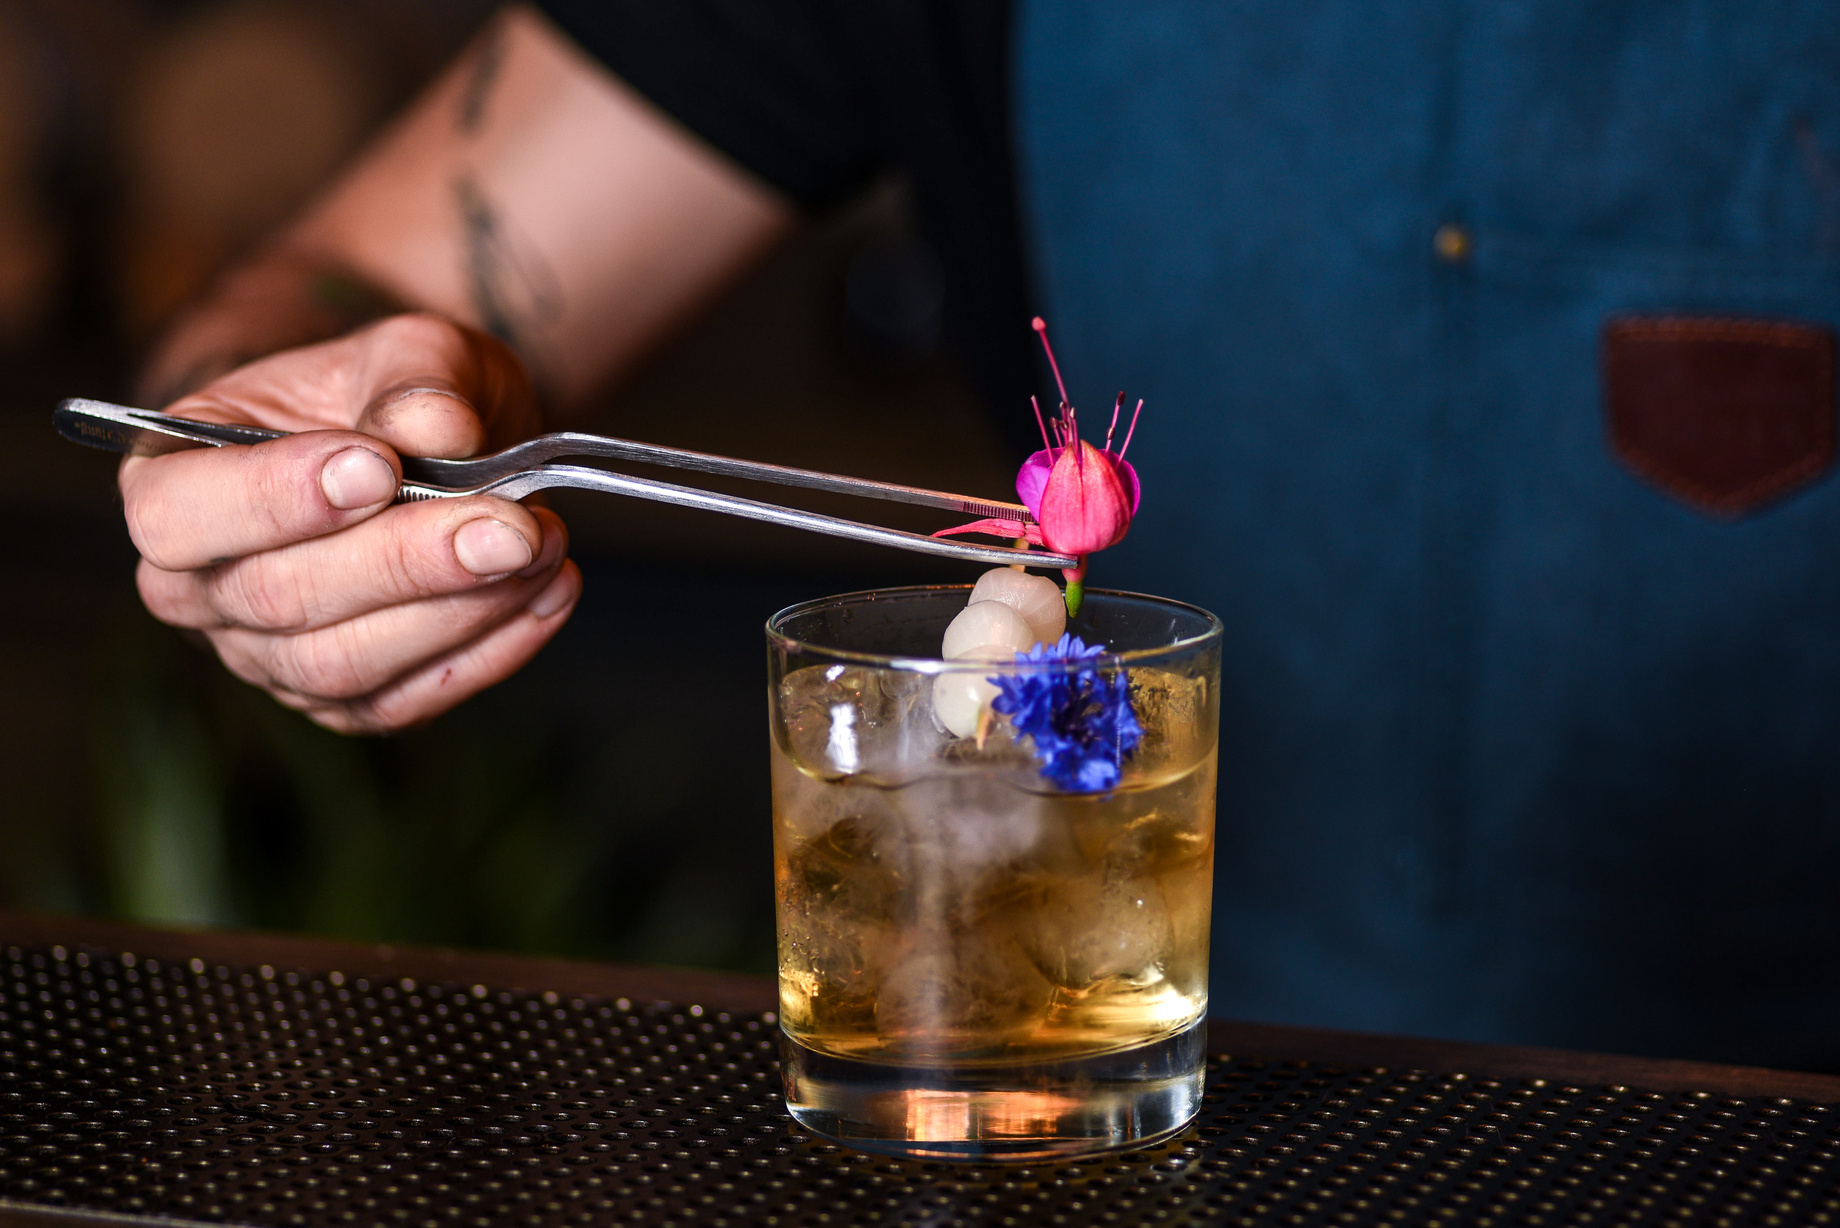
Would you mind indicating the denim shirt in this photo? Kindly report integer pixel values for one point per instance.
(1516, 744)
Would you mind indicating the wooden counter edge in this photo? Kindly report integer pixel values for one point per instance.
(730, 991)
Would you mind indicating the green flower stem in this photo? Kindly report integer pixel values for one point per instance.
(1076, 586)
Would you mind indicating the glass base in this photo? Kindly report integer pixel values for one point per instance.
(1022, 1111)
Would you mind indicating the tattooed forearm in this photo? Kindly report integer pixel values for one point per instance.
(514, 290)
(490, 59)
(484, 262)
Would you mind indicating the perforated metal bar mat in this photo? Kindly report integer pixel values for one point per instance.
(202, 1092)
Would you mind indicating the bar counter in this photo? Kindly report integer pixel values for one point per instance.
(156, 1076)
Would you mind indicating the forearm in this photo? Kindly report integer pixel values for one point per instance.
(527, 193)
(279, 298)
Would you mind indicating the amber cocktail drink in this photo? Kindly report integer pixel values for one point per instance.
(978, 960)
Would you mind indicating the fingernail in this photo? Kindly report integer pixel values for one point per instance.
(556, 598)
(489, 547)
(357, 477)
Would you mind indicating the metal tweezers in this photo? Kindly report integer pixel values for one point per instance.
(525, 468)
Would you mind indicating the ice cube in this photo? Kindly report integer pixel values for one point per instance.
(804, 806)
(841, 720)
(808, 702)
(839, 899)
(1160, 840)
(959, 990)
(852, 873)
(1187, 894)
(1179, 721)
(963, 823)
(1002, 756)
(1084, 930)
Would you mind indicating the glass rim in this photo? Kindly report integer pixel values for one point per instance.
(1215, 631)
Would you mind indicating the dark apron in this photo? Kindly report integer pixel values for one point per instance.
(1531, 726)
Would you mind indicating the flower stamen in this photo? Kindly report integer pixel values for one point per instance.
(1041, 327)
(1077, 508)
(1133, 429)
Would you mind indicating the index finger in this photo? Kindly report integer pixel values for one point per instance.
(191, 509)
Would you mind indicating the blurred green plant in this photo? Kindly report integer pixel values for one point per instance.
(161, 801)
(605, 803)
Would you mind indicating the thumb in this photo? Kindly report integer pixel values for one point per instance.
(424, 417)
(430, 387)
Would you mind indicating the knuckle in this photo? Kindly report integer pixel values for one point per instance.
(404, 562)
(159, 592)
(256, 592)
(321, 664)
(423, 333)
(277, 499)
(147, 523)
(417, 562)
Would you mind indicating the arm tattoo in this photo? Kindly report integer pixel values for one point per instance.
(511, 292)
(490, 59)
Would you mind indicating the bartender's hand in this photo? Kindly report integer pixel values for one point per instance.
(527, 194)
(290, 557)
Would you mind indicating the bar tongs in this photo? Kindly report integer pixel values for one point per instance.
(525, 468)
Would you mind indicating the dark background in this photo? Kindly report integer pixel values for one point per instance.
(609, 801)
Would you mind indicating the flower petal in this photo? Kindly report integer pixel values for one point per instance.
(1011, 529)
(1127, 476)
(1085, 506)
(1079, 720)
(1032, 479)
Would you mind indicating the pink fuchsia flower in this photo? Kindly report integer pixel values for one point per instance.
(1082, 497)
(1087, 496)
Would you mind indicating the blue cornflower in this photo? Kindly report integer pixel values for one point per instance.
(1081, 721)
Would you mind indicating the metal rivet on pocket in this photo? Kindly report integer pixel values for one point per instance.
(1452, 243)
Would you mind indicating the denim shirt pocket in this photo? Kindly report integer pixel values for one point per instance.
(1726, 413)
(1703, 376)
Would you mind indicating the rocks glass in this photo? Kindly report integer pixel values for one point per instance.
(974, 962)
